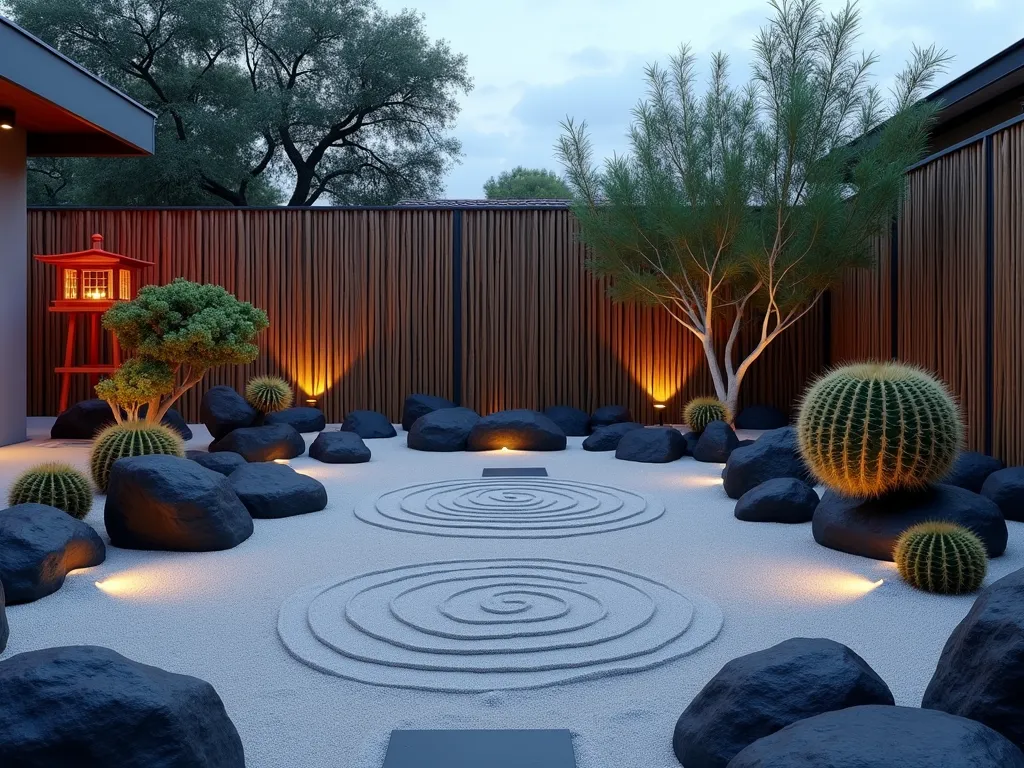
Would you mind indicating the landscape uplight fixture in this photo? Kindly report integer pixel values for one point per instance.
(311, 401)
(660, 408)
(6, 118)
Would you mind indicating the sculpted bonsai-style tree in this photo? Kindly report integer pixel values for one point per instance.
(176, 333)
(742, 206)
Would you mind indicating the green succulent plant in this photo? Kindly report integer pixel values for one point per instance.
(134, 438)
(701, 411)
(941, 557)
(871, 428)
(54, 484)
(268, 393)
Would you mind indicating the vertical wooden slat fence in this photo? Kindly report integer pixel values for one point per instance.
(362, 306)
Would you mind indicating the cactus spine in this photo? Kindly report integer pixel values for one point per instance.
(135, 438)
(701, 411)
(941, 557)
(56, 485)
(268, 393)
(871, 428)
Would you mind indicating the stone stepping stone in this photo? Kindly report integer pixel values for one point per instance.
(339, 448)
(224, 462)
(170, 503)
(266, 443)
(270, 491)
(301, 419)
(475, 749)
(417, 406)
(106, 710)
(39, 545)
(369, 425)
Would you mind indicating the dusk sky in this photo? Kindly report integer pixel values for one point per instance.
(536, 61)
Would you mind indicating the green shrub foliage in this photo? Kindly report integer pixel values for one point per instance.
(54, 484)
(268, 393)
(701, 411)
(941, 557)
(130, 439)
(871, 428)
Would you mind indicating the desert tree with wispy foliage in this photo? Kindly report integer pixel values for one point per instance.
(739, 206)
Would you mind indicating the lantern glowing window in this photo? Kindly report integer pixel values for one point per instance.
(70, 284)
(96, 283)
(125, 290)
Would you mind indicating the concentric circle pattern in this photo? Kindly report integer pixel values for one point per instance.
(509, 507)
(480, 625)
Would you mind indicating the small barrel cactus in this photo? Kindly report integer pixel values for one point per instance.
(268, 393)
(701, 411)
(133, 438)
(941, 557)
(56, 485)
(871, 428)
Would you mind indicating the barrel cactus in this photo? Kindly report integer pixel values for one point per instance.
(941, 557)
(701, 411)
(871, 428)
(54, 484)
(133, 438)
(268, 393)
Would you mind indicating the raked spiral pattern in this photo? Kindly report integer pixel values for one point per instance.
(480, 625)
(509, 507)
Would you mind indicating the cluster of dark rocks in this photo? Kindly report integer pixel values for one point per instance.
(84, 420)
(814, 703)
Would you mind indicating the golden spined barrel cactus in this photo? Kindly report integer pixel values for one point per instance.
(871, 428)
(133, 438)
(56, 485)
(701, 411)
(941, 557)
(268, 394)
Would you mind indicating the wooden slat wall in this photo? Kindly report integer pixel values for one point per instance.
(861, 319)
(1008, 294)
(361, 310)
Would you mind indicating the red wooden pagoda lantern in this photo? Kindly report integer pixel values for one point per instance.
(88, 283)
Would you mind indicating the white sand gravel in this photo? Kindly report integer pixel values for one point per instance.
(215, 615)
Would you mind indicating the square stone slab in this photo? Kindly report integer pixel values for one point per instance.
(480, 749)
(515, 472)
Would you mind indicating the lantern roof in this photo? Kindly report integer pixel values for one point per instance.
(95, 255)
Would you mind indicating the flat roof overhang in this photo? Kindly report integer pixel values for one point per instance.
(66, 110)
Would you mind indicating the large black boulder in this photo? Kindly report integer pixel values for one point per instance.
(870, 527)
(756, 695)
(442, 430)
(82, 421)
(170, 503)
(5, 630)
(38, 546)
(369, 425)
(971, 469)
(224, 462)
(773, 454)
(760, 417)
(271, 491)
(302, 419)
(980, 674)
(715, 443)
(573, 421)
(1005, 487)
(609, 414)
(879, 736)
(339, 448)
(779, 500)
(519, 429)
(417, 406)
(89, 707)
(222, 410)
(651, 445)
(607, 438)
(691, 438)
(266, 443)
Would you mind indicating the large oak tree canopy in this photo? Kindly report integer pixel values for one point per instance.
(260, 101)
